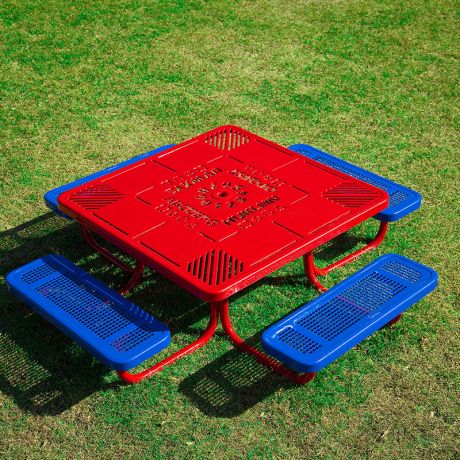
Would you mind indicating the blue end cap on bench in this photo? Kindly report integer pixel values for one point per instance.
(109, 326)
(324, 329)
(51, 197)
(403, 200)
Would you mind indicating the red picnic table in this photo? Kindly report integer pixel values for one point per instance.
(217, 213)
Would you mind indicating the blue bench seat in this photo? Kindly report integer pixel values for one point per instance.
(403, 200)
(51, 197)
(319, 332)
(107, 325)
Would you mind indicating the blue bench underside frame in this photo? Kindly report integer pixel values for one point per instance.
(51, 197)
(110, 327)
(319, 332)
(403, 200)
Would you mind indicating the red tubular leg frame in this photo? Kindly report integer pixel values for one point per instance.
(309, 268)
(259, 356)
(198, 343)
(104, 251)
(394, 320)
(350, 257)
(134, 280)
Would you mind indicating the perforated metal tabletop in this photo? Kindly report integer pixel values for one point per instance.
(222, 210)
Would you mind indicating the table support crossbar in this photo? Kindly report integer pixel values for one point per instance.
(135, 279)
(104, 252)
(198, 343)
(350, 257)
(136, 272)
(261, 357)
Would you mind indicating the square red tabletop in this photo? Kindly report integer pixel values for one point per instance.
(222, 210)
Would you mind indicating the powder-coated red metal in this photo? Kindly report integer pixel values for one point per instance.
(222, 210)
(130, 377)
(378, 239)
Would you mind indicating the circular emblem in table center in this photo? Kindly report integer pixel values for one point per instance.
(226, 195)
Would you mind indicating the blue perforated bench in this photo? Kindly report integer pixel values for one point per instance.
(51, 197)
(324, 329)
(107, 325)
(403, 200)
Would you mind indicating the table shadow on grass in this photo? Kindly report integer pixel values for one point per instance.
(339, 246)
(235, 382)
(46, 373)
(43, 371)
(232, 384)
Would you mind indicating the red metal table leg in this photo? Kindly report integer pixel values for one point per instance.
(350, 257)
(136, 272)
(207, 334)
(309, 268)
(104, 251)
(134, 280)
(259, 356)
(394, 320)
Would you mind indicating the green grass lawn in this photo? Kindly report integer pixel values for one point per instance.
(85, 84)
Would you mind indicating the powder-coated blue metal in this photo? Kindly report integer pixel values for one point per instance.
(51, 197)
(324, 329)
(403, 200)
(109, 326)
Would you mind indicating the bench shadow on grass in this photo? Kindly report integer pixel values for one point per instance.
(40, 368)
(45, 373)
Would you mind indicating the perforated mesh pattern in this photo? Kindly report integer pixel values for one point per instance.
(397, 198)
(343, 311)
(332, 318)
(37, 274)
(299, 342)
(352, 172)
(96, 196)
(350, 195)
(131, 339)
(403, 271)
(116, 331)
(215, 267)
(316, 334)
(373, 291)
(88, 307)
(227, 139)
